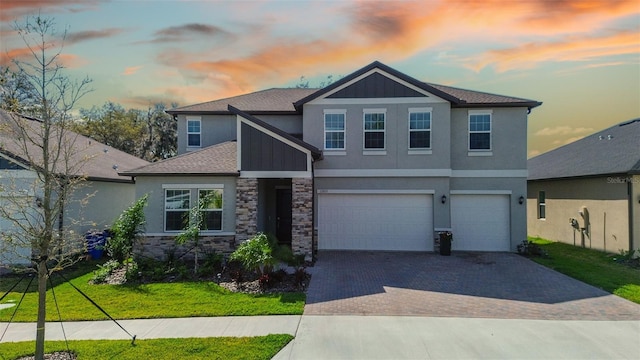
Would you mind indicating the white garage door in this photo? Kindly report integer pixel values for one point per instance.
(375, 222)
(480, 222)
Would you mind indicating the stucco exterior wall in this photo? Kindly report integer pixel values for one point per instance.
(396, 137)
(508, 140)
(607, 204)
(154, 212)
(105, 201)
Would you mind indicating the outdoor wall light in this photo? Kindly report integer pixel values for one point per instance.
(521, 200)
(444, 199)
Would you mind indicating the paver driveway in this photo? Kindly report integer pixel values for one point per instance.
(488, 285)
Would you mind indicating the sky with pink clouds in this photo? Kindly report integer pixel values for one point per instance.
(581, 58)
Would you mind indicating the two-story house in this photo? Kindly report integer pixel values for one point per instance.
(375, 161)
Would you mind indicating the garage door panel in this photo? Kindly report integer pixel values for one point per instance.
(480, 222)
(375, 222)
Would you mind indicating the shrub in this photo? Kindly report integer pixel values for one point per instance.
(126, 229)
(255, 254)
(529, 248)
(102, 273)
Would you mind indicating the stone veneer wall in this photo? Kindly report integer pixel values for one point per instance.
(157, 247)
(246, 208)
(302, 216)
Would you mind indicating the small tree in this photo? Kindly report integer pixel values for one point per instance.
(126, 230)
(49, 149)
(195, 222)
(255, 254)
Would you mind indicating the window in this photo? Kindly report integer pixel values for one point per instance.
(542, 205)
(334, 129)
(6, 164)
(176, 209)
(193, 132)
(374, 129)
(480, 131)
(210, 201)
(419, 129)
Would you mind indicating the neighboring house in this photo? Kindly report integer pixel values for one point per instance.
(94, 205)
(587, 193)
(375, 161)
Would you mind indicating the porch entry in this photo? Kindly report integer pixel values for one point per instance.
(283, 216)
(275, 208)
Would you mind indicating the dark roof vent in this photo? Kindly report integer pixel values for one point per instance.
(600, 137)
(115, 167)
(609, 137)
(105, 150)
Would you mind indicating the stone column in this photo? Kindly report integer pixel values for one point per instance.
(246, 208)
(302, 216)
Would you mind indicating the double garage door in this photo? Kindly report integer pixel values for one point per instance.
(375, 222)
(404, 222)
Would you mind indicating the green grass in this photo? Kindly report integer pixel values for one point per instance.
(156, 300)
(261, 347)
(592, 267)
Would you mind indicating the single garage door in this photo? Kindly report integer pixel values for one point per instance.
(375, 222)
(480, 222)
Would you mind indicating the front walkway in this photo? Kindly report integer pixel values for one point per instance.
(464, 285)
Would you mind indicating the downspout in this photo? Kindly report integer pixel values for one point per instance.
(630, 201)
(314, 243)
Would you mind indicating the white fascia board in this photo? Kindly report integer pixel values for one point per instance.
(430, 97)
(517, 173)
(377, 191)
(275, 174)
(382, 173)
(481, 192)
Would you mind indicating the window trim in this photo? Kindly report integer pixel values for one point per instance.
(419, 150)
(342, 112)
(542, 205)
(371, 151)
(189, 188)
(199, 133)
(490, 132)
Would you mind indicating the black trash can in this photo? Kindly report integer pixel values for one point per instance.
(445, 243)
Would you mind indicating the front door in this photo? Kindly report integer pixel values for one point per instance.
(283, 216)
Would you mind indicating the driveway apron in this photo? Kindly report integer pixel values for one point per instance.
(472, 285)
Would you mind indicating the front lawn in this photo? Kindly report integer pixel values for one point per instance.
(261, 347)
(154, 300)
(592, 267)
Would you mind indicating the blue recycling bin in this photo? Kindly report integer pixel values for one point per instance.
(95, 243)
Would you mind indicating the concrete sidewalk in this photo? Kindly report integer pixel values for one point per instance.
(407, 337)
(236, 326)
(381, 337)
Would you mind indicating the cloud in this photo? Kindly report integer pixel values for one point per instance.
(568, 140)
(187, 32)
(562, 130)
(533, 153)
(12, 9)
(131, 70)
(73, 38)
(18, 54)
(571, 48)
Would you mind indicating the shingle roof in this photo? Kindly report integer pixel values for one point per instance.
(469, 98)
(615, 150)
(217, 159)
(98, 161)
(288, 100)
(276, 100)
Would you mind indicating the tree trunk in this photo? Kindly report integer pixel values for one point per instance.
(42, 309)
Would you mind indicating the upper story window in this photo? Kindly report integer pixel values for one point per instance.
(334, 129)
(542, 205)
(374, 129)
(480, 130)
(419, 128)
(193, 131)
(6, 164)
